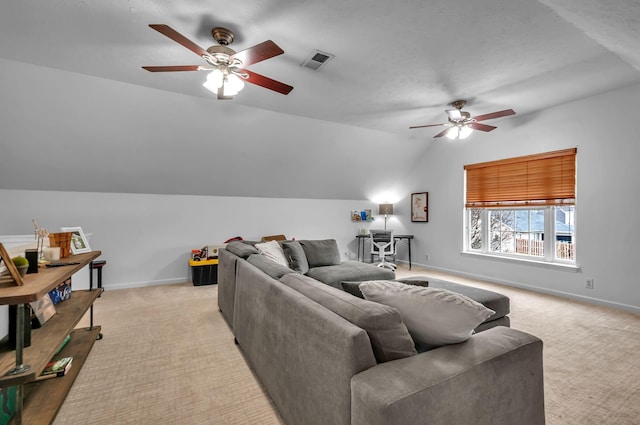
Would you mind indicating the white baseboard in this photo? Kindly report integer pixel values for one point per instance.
(575, 297)
(129, 285)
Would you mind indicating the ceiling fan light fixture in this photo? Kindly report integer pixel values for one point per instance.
(214, 81)
(465, 131)
(459, 132)
(453, 133)
(232, 85)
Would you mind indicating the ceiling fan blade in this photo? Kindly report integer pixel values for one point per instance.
(442, 133)
(179, 38)
(266, 82)
(493, 115)
(174, 68)
(481, 127)
(428, 125)
(454, 114)
(259, 52)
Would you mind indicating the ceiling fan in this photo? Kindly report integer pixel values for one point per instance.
(461, 124)
(226, 66)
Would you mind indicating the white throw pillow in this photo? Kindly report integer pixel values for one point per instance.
(434, 316)
(273, 251)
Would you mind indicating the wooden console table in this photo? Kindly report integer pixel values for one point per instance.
(39, 402)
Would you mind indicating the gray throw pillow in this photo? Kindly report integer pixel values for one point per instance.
(268, 266)
(434, 316)
(241, 249)
(321, 253)
(390, 339)
(296, 256)
(354, 287)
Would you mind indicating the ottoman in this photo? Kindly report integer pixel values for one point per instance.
(493, 300)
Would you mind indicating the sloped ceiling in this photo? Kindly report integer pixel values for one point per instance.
(396, 64)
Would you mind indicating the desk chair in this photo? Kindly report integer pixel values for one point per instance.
(383, 245)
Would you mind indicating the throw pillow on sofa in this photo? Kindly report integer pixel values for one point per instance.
(296, 256)
(354, 287)
(273, 251)
(241, 249)
(321, 253)
(390, 339)
(434, 316)
(269, 267)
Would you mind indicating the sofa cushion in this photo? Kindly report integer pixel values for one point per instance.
(354, 287)
(434, 316)
(273, 251)
(320, 253)
(389, 336)
(350, 271)
(296, 256)
(241, 249)
(268, 266)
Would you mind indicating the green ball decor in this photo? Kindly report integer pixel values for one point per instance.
(20, 261)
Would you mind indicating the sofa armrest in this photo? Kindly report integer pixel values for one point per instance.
(496, 377)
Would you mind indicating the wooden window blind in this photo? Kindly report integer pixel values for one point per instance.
(541, 179)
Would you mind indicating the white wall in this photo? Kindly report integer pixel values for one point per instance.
(147, 239)
(602, 128)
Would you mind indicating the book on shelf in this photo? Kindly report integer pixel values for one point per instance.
(56, 368)
(66, 340)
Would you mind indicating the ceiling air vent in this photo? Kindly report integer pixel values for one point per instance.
(317, 60)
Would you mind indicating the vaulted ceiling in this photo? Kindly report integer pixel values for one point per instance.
(396, 64)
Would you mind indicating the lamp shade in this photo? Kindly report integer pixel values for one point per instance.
(385, 209)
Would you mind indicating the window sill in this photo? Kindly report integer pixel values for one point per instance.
(545, 264)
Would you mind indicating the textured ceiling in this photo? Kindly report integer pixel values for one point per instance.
(396, 64)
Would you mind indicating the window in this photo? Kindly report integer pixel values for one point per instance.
(523, 207)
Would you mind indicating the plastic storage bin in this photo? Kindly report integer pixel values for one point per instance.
(204, 272)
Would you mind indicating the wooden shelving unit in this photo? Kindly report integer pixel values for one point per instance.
(40, 401)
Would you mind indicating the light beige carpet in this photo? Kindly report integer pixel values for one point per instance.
(168, 357)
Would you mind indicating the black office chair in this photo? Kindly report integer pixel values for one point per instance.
(383, 245)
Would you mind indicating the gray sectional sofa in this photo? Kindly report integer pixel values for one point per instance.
(327, 357)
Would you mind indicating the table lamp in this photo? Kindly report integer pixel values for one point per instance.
(386, 209)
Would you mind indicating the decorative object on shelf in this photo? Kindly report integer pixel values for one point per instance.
(33, 256)
(43, 309)
(11, 275)
(386, 210)
(79, 243)
(51, 253)
(63, 240)
(61, 292)
(420, 207)
(39, 233)
(22, 264)
(363, 215)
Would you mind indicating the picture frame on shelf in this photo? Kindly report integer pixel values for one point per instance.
(43, 310)
(79, 243)
(420, 207)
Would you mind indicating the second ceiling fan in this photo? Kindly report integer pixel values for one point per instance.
(226, 66)
(461, 124)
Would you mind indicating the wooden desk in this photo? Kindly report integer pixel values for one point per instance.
(362, 238)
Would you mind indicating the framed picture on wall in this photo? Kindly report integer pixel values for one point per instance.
(420, 207)
(79, 242)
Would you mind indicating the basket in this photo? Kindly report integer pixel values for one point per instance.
(63, 240)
